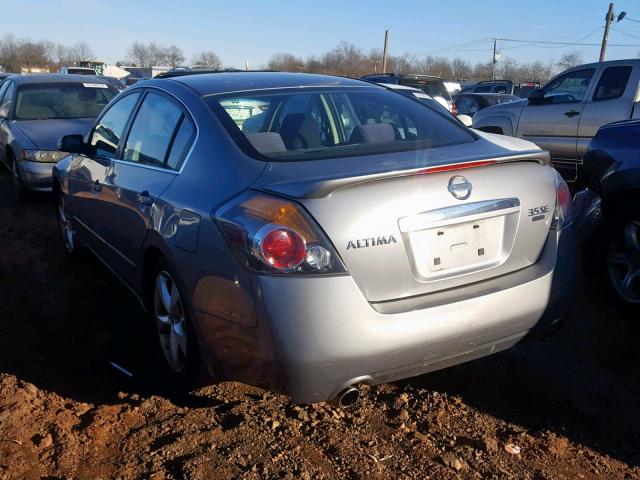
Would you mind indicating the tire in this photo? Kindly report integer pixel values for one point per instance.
(178, 360)
(622, 260)
(21, 191)
(71, 243)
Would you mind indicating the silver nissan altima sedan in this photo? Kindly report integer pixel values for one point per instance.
(309, 233)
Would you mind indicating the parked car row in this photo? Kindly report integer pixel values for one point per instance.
(310, 233)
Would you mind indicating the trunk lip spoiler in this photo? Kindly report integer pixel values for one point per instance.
(319, 188)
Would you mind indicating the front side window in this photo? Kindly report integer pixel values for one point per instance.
(152, 131)
(569, 88)
(62, 100)
(613, 83)
(5, 103)
(315, 124)
(106, 135)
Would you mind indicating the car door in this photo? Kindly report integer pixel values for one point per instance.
(142, 172)
(553, 124)
(6, 92)
(91, 170)
(612, 100)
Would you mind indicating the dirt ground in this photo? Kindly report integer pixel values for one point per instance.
(569, 404)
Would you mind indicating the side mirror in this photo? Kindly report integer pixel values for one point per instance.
(536, 97)
(71, 144)
(466, 120)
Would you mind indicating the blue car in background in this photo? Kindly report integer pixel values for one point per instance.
(36, 110)
(612, 169)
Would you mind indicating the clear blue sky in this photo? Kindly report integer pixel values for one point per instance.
(252, 30)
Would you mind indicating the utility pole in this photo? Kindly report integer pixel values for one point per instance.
(493, 61)
(384, 52)
(605, 38)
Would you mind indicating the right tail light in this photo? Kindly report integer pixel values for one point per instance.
(273, 235)
(563, 212)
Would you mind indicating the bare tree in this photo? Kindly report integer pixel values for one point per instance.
(157, 55)
(460, 69)
(375, 60)
(174, 56)
(569, 60)
(508, 69)
(208, 60)
(82, 52)
(62, 55)
(139, 54)
(285, 62)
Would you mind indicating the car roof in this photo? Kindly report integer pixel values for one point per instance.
(54, 78)
(608, 63)
(227, 82)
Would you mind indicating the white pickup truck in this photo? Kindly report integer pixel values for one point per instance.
(564, 115)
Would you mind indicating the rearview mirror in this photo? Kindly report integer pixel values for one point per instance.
(71, 144)
(536, 97)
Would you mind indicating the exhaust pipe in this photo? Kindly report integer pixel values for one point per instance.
(347, 397)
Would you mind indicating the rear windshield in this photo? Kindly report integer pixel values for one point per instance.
(81, 71)
(313, 124)
(430, 87)
(62, 100)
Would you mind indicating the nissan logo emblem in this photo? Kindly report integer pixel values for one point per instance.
(459, 187)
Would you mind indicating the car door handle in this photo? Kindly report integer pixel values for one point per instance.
(96, 187)
(571, 113)
(145, 199)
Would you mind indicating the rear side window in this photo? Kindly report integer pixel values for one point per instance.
(612, 84)
(182, 142)
(152, 131)
(106, 135)
(311, 124)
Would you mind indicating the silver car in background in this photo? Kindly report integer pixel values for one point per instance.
(35, 110)
(348, 235)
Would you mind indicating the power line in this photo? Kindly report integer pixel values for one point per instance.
(453, 47)
(561, 46)
(625, 33)
(542, 42)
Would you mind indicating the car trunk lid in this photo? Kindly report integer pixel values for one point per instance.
(404, 231)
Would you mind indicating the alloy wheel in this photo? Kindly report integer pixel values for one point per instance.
(171, 322)
(623, 262)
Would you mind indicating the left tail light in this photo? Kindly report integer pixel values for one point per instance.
(272, 235)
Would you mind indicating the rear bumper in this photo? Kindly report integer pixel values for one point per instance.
(36, 175)
(327, 336)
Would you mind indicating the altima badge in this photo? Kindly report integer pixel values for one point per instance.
(459, 187)
(371, 242)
